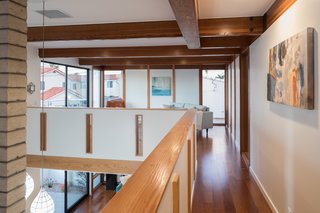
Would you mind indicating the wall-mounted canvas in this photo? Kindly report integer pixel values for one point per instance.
(161, 86)
(291, 71)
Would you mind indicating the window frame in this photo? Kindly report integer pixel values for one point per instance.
(66, 80)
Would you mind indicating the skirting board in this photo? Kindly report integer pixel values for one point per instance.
(263, 191)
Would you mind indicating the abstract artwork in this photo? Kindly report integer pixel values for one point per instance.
(291, 71)
(161, 86)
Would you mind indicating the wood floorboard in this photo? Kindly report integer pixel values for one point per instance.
(224, 184)
(96, 202)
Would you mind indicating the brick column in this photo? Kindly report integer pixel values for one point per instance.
(13, 68)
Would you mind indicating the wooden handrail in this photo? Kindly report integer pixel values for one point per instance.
(144, 190)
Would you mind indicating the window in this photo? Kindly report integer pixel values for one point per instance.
(96, 88)
(42, 85)
(66, 188)
(113, 85)
(77, 95)
(53, 76)
(213, 93)
(109, 84)
(64, 85)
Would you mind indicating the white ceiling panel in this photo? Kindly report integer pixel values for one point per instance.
(232, 8)
(100, 11)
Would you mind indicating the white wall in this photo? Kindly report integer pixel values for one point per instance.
(158, 101)
(113, 132)
(187, 86)
(285, 141)
(136, 89)
(33, 75)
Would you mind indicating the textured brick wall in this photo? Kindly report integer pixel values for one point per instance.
(13, 68)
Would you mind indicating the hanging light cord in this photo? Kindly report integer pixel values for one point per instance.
(42, 95)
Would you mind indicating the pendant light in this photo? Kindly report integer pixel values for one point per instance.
(43, 203)
(29, 185)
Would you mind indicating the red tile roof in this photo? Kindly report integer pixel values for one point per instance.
(51, 93)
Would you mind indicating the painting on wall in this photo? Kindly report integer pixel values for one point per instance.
(291, 71)
(161, 86)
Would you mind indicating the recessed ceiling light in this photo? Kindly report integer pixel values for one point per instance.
(53, 14)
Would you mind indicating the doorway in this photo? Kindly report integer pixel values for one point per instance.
(213, 94)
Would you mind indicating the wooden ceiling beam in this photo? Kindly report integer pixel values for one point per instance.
(149, 51)
(144, 67)
(154, 29)
(208, 60)
(242, 26)
(276, 10)
(230, 41)
(187, 18)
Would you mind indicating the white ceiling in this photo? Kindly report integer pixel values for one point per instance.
(101, 11)
(232, 8)
(115, 11)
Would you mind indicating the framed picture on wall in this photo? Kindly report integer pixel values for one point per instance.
(161, 86)
(291, 71)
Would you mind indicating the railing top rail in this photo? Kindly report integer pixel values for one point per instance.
(144, 190)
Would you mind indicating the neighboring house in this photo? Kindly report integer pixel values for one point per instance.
(113, 87)
(53, 88)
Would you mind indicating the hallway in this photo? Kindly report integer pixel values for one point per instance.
(223, 183)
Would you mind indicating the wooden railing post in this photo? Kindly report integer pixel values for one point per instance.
(189, 174)
(194, 144)
(176, 193)
(43, 131)
(89, 133)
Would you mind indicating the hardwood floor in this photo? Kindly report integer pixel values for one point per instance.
(96, 202)
(223, 183)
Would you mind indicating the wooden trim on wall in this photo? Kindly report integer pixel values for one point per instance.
(226, 97)
(148, 86)
(235, 100)
(124, 85)
(89, 118)
(43, 131)
(83, 164)
(173, 84)
(176, 193)
(231, 101)
(102, 87)
(139, 141)
(200, 86)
